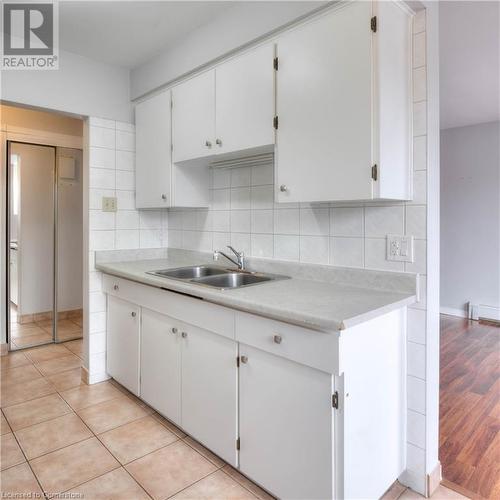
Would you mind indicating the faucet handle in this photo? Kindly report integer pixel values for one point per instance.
(216, 255)
(234, 251)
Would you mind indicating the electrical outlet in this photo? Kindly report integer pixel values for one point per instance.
(399, 248)
(109, 204)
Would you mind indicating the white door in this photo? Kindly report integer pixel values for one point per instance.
(161, 364)
(193, 118)
(245, 102)
(122, 338)
(323, 100)
(153, 154)
(286, 425)
(210, 390)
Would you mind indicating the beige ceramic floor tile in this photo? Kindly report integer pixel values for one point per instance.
(11, 454)
(115, 485)
(67, 380)
(442, 493)
(19, 482)
(110, 414)
(69, 335)
(217, 486)
(246, 483)
(136, 439)
(13, 360)
(204, 451)
(47, 352)
(16, 393)
(26, 330)
(169, 425)
(52, 435)
(36, 411)
(394, 492)
(19, 374)
(170, 470)
(66, 468)
(87, 395)
(4, 426)
(58, 365)
(75, 346)
(31, 340)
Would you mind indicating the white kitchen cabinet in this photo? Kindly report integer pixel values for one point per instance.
(343, 103)
(286, 425)
(122, 343)
(153, 142)
(244, 103)
(159, 183)
(161, 364)
(210, 390)
(193, 118)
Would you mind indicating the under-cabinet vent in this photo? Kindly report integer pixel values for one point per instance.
(248, 161)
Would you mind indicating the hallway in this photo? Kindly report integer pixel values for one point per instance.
(470, 405)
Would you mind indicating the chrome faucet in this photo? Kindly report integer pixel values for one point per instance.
(240, 257)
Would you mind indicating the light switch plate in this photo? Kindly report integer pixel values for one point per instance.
(400, 248)
(109, 204)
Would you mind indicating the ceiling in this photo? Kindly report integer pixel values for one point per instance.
(469, 62)
(127, 34)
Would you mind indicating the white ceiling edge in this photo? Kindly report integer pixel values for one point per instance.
(469, 63)
(235, 28)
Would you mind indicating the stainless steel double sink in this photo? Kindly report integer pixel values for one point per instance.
(217, 277)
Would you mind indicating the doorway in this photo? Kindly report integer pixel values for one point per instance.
(44, 244)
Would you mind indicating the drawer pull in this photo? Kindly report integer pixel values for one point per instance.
(116, 287)
(244, 359)
(133, 314)
(174, 330)
(184, 335)
(277, 339)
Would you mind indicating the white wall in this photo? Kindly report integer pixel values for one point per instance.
(80, 86)
(470, 216)
(236, 27)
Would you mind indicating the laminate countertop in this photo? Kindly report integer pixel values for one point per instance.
(318, 297)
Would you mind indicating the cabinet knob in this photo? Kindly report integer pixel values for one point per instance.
(283, 188)
(208, 144)
(184, 335)
(218, 142)
(244, 359)
(163, 196)
(116, 287)
(277, 339)
(174, 330)
(133, 314)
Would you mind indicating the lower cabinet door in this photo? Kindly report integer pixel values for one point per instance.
(122, 343)
(210, 390)
(161, 364)
(286, 425)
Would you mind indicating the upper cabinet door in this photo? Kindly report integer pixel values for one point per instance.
(324, 107)
(193, 118)
(153, 155)
(245, 102)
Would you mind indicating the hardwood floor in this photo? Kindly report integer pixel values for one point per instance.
(469, 441)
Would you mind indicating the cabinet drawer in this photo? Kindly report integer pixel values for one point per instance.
(194, 311)
(309, 347)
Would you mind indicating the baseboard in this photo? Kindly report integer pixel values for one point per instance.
(434, 479)
(84, 375)
(4, 349)
(450, 311)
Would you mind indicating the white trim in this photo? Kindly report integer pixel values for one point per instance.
(22, 134)
(451, 311)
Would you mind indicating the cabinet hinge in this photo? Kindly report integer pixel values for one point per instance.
(275, 122)
(375, 172)
(237, 361)
(335, 400)
(373, 24)
(275, 63)
(238, 444)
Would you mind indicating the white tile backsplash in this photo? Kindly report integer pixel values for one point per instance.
(102, 178)
(101, 158)
(416, 428)
(287, 221)
(125, 181)
(346, 252)
(416, 394)
(240, 198)
(286, 247)
(416, 221)
(125, 160)
(346, 221)
(240, 221)
(381, 221)
(419, 48)
(102, 137)
(262, 245)
(314, 249)
(315, 221)
(416, 360)
(241, 176)
(262, 221)
(125, 141)
(420, 153)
